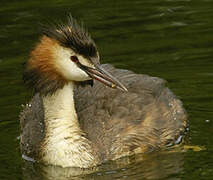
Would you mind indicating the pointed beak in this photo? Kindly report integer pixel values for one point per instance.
(103, 76)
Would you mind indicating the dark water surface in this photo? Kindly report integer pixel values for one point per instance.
(172, 39)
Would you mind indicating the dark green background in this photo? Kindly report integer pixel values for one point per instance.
(172, 39)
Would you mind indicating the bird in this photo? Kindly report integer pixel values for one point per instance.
(84, 113)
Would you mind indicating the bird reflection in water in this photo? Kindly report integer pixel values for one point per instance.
(155, 165)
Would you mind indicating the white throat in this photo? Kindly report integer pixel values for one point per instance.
(64, 143)
(59, 111)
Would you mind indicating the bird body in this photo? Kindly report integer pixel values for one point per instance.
(70, 125)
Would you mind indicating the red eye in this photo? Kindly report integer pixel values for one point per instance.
(74, 59)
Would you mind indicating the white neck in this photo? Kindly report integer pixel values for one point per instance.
(64, 143)
(60, 112)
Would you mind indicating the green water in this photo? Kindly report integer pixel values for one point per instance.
(172, 39)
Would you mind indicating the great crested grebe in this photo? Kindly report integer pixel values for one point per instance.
(70, 125)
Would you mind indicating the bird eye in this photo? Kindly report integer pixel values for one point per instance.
(74, 59)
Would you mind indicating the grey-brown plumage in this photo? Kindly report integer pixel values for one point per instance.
(148, 116)
(145, 118)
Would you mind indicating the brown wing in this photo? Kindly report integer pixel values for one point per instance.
(32, 127)
(147, 117)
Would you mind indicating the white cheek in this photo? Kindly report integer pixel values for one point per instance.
(68, 68)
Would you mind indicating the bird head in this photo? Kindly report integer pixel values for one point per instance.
(65, 53)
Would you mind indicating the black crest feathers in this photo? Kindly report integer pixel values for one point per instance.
(72, 35)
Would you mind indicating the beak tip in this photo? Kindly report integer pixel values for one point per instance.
(122, 88)
(125, 90)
